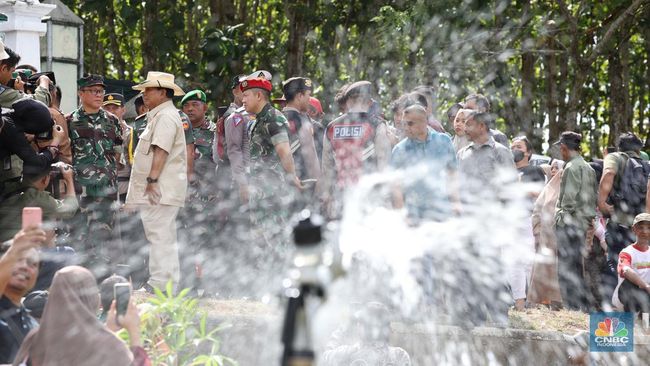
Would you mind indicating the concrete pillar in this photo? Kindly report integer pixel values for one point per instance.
(24, 27)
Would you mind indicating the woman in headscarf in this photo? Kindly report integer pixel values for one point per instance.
(71, 334)
(544, 287)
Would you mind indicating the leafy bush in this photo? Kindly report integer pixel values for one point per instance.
(175, 333)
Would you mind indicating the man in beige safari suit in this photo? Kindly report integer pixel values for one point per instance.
(158, 183)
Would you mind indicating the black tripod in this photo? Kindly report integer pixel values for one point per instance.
(296, 332)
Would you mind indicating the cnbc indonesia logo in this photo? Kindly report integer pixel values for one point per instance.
(611, 334)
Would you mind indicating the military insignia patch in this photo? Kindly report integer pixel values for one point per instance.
(308, 83)
(186, 125)
(237, 119)
(244, 84)
(110, 97)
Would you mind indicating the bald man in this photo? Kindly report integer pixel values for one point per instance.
(431, 156)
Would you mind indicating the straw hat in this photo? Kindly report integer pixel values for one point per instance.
(156, 79)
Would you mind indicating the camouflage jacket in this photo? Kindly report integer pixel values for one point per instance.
(203, 139)
(269, 128)
(95, 141)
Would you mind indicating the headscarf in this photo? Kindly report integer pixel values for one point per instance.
(69, 332)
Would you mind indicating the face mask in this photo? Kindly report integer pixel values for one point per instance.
(518, 155)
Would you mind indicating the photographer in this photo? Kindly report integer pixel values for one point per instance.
(8, 95)
(29, 119)
(32, 194)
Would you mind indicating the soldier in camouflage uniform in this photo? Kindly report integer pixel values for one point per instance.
(271, 163)
(96, 139)
(200, 211)
(272, 173)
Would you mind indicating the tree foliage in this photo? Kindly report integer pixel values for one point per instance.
(546, 65)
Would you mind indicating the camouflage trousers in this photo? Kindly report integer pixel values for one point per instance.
(97, 234)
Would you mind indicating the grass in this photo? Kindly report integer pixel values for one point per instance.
(544, 319)
(538, 318)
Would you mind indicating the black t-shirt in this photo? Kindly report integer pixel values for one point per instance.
(532, 173)
(14, 321)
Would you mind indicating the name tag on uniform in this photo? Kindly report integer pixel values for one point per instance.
(348, 132)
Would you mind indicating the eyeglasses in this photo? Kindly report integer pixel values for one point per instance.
(95, 91)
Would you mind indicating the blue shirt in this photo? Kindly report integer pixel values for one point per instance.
(425, 185)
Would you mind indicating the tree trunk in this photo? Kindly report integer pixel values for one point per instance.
(594, 146)
(527, 94)
(298, 29)
(618, 93)
(118, 60)
(550, 69)
(149, 49)
(192, 31)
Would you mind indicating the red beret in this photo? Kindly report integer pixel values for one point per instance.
(256, 83)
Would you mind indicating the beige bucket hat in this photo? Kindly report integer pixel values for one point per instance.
(156, 79)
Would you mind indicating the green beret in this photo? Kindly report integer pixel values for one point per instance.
(90, 80)
(194, 95)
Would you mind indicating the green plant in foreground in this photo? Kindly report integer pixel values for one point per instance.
(175, 332)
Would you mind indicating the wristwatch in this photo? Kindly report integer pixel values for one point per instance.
(151, 180)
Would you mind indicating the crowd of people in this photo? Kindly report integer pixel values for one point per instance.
(173, 185)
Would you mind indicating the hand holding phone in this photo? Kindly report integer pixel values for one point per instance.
(122, 296)
(32, 216)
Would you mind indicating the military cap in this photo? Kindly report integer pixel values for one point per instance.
(114, 98)
(90, 80)
(234, 84)
(571, 139)
(296, 85)
(260, 74)
(194, 95)
(256, 83)
(359, 88)
(316, 104)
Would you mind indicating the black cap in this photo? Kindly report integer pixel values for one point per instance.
(90, 80)
(296, 85)
(31, 116)
(571, 139)
(363, 88)
(114, 98)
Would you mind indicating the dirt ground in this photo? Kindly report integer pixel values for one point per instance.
(544, 319)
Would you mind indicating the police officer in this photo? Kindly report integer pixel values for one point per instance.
(355, 144)
(96, 139)
(237, 142)
(8, 61)
(297, 92)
